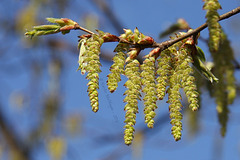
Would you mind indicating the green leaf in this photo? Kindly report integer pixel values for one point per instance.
(200, 54)
(204, 70)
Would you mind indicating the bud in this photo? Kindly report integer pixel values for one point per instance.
(107, 37)
(146, 41)
(67, 28)
(53, 20)
(155, 52)
(133, 54)
(46, 27)
(67, 21)
(128, 32)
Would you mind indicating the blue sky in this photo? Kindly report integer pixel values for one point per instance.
(151, 17)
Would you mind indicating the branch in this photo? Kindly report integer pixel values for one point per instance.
(164, 45)
(64, 25)
(77, 26)
(13, 140)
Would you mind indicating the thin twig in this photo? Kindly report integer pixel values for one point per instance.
(164, 45)
(12, 139)
(77, 26)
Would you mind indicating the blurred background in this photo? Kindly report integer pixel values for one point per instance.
(45, 112)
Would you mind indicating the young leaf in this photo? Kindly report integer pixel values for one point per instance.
(199, 65)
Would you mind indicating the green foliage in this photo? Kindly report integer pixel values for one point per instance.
(63, 25)
(165, 70)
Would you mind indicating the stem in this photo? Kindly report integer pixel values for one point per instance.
(77, 26)
(9, 135)
(164, 45)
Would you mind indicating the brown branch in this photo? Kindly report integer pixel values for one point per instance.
(164, 45)
(12, 139)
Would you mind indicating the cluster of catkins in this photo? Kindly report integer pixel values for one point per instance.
(161, 72)
(224, 92)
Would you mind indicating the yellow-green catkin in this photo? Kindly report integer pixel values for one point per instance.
(149, 89)
(116, 70)
(225, 48)
(220, 93)
(133, 85)
(187, 79)
(231, 86)
(175, 105)
(180, 77)
(225, 90)
(213, 26)
(91, 64)
(193, 117)
(163, 71)
(222, 105)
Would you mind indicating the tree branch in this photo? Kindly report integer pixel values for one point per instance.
(164, 45)
(12, 140)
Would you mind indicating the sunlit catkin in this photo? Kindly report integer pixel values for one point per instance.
(92, 65)
(188, 80)
(224, 91)
(133, 85)
(149, 89)
(116, 70)
(211, 6)
(163, 71)
(175, 105)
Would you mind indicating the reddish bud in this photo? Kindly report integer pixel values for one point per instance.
(66, 28)
(107, 37)
(68, 21)
(155, 52)
(85, 36)
(190, 41)
(146, 41)
(65, 20)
